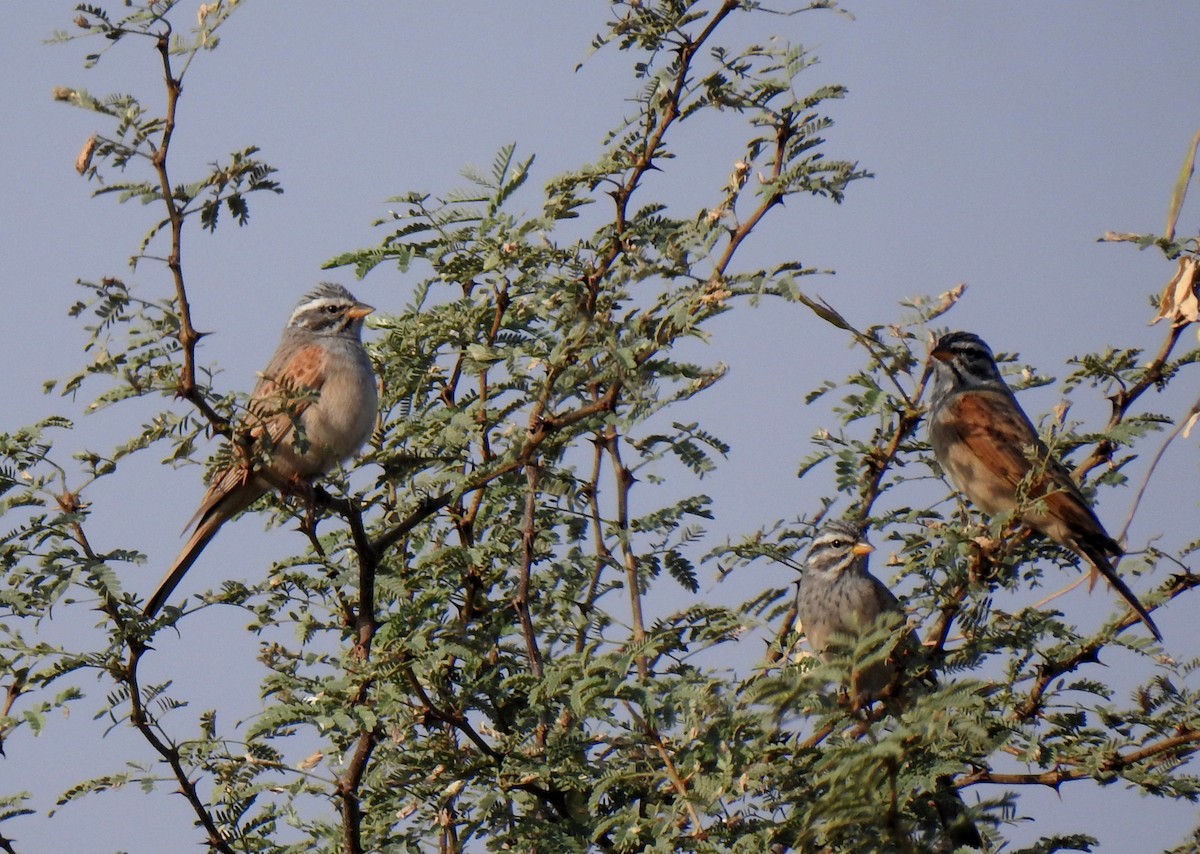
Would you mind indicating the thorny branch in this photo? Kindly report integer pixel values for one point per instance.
(1124, 398)
(1089, 652)
(1175, 747)
(188, 336)
(349, 784)
(644, 162)
(169, 753)
(625, 482)
(677, 782)
(529, 540)
(603, 556)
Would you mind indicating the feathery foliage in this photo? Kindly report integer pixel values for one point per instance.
(505, 641)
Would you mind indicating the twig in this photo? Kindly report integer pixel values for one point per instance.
(1046, 600)
(1177, 746)
(677, 782)
(1157, 458)
(188, 336)
(145, 725)
(625, 481)
(783, 132)
(653, 142)
(347, 790)
(1125, 398)
(877, 464)
(940, 633)
(453, 718)
(528, 541)
(603, 555)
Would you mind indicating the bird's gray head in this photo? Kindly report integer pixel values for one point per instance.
(330, 309)
(963, 360)
(839, 545)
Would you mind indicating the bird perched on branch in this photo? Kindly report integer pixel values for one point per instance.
(839, 596)
(313, 407)
(992, 454)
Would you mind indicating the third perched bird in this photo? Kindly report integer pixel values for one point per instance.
(991, 452)
(321, 379)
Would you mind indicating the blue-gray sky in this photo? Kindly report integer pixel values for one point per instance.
(1004, 139)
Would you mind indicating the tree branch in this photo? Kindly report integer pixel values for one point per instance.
(625, 481)
(145, 725)
(1178, 746)
(521, 602)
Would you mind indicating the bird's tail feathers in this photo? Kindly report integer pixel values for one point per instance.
(204, 532)
(952, 813)
(1098, 555)
(1100, 548)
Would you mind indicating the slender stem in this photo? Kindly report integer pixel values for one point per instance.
(783, 133)
(146, 726)
(188, 336)
(368, 566)
(1158, 455)
(879, 461)
(625, 481)
(1172, 749)
(1125, 398)
(529, 540)
(603, 555)
(453, 718)
(656, 131)
(677, 782)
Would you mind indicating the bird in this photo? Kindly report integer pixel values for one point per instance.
(839, 596)
(319, 378)
(990, 450)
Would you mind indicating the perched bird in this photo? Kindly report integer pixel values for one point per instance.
(838, 595)
(321, 379)
(992, 454)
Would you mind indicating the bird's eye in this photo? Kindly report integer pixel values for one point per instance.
(839, 543)
(332, 309)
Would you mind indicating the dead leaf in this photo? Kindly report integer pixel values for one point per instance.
(947, 300)
(1191, 422)
(1179, 302)
(312, 761)
(84, 160)
(1120, 237)
(1180, 189)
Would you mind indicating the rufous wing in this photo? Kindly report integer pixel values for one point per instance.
(996, 433)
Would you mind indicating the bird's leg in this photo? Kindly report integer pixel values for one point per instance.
(309, 529)
(302, 489)
(243, 443)
(311, 495)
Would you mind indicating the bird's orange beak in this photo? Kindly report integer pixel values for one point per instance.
(942, 354)
(860, 549)
(360, 310)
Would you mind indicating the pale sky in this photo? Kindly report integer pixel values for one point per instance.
(1004, 139)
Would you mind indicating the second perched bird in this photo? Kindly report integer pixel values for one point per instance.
(992, 454)
(838, 595)
(321, 379)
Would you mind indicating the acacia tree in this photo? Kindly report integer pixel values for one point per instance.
(473, 640)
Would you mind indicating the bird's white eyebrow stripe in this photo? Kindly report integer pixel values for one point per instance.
(315, 304)
(828, 539)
